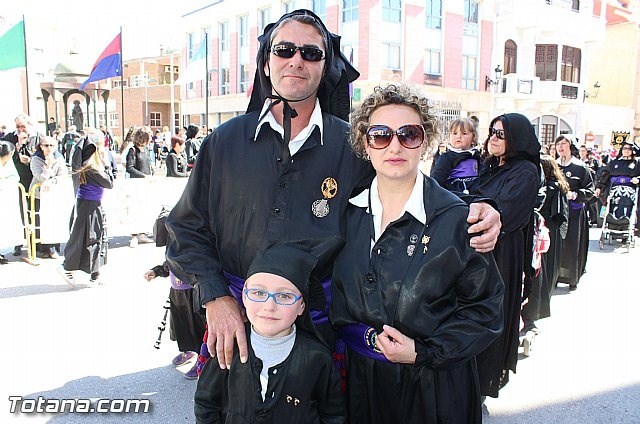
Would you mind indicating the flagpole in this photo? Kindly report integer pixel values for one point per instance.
(121, 89)
(26, 63)
(206, 91)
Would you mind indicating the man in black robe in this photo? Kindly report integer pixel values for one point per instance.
(283, 171)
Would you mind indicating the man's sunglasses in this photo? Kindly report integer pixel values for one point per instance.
(410, 136)
(287, 51)
(498, 133)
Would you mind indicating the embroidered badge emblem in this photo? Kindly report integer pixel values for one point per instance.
(370, 337)
(413, 238)
(410, 249)
(329, 188)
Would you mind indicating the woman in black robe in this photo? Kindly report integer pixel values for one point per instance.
(411, 299)
(555, 211)
(573, 259)
(86, 249)
(511, 178)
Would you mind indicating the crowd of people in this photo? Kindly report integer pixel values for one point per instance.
(328, 278)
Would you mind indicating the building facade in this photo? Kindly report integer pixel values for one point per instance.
(542, 58)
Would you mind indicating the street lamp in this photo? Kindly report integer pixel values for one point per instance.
(488, 82)
(593, 94)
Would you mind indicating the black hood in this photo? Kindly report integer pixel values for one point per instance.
(333, 92)
(521, 135)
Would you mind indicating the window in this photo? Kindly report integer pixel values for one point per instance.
(469, 74)
(432, 62)
(243, 30)
(433, 14)
(546, 61)
(190, 46)
(101, 119)
(575, 5)
(391, 56)
(244, 78)
(137, 80)
(289, 6)
(264, 18)
(349, 10)
(224, 81)
(391, 10)
(113, 120)
(471, 11)
(224, 36)
(547, 133)
(319, 7)
(116, 83)
(176, 120)
(155, 119)
(446, 111)
(570, 65)
(510, 57)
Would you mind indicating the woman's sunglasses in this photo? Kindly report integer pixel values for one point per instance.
(287, 51)
(498, 133)
(410, 136)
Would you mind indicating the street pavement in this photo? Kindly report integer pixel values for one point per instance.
(61, 342)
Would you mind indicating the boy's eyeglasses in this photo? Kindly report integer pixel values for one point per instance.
(287, 51)
(497, 133)
(281, 298)
(47, 145)
(410, 136)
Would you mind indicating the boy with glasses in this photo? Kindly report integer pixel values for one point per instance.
(289, 377)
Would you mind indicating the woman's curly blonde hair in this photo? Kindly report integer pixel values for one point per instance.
(402, 94)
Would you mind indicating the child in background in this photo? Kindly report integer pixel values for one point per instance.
(186, 326)
(289, 367)
(457, 169)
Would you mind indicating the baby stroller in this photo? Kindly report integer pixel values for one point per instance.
(620, 213)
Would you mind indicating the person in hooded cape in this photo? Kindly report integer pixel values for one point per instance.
(573, 259)
(86, 249)
(511, 177)
(290, 377)
(282, 171)
(624, 170)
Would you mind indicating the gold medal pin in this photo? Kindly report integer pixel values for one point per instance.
(329, 188)
(425, 241)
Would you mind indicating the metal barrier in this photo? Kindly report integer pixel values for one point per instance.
(30, 214)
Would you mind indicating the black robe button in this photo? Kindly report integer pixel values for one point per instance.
(276, 210)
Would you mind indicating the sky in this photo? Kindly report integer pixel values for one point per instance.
(87, 27)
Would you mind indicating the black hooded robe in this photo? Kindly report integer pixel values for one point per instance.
(448, 299)
(573, 259)
(514, 187)
(86, 249)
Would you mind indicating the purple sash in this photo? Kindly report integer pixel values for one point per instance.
(466, 168)
(236, 284)
(90, 192)
(362, 339)
(621, 180)
(576, 206)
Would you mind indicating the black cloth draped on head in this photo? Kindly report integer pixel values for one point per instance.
(333, 92)
(520, 132)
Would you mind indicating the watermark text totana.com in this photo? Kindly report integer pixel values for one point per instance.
(78, 406)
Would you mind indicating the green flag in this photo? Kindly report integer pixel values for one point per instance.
(12, 52)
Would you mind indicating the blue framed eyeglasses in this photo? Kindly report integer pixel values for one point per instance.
(281, 298)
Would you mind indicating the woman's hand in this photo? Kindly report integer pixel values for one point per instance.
(597, 192)
(395, 346)
(149, 275)
(572, 195)
(635, 180)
